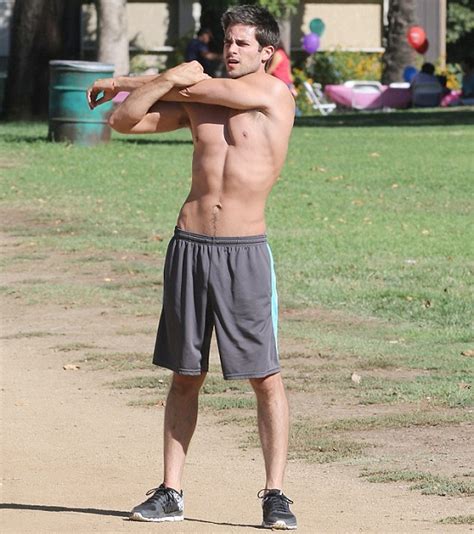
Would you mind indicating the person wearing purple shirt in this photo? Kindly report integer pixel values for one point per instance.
(198, 50)
(426, 75)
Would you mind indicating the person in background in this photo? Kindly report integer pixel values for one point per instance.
(468, 78)
(198, 50)
(280, 67)
(426, 75)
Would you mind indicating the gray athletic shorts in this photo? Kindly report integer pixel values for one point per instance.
(226, 283)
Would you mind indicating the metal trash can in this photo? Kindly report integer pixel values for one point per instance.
(70, 118)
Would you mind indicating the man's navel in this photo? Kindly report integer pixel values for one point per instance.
(215, 216)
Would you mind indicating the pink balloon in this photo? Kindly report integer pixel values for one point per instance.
(310, 43)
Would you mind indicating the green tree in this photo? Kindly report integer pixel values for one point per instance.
(280, 9)
(460, 29)
(460, 19)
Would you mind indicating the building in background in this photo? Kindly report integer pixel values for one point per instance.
(159, 29)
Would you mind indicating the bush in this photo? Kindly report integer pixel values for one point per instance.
(337, 66)
(453, 74)
(303, 105)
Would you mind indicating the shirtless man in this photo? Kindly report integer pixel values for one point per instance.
(219, 269)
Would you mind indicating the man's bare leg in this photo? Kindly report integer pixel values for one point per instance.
(273, 426)
(180, 421)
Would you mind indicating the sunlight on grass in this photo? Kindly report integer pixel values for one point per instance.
(426, 482)
(458, 520)
(372, 256)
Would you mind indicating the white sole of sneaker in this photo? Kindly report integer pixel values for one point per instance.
(279, 525)
(138, 517)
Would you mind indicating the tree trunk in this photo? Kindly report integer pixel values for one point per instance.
(285, 34)
(112, 34)
(398, 53)
(37, 36)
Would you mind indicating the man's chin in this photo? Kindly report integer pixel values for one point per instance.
(233, 74)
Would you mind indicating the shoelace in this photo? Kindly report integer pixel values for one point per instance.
(278, 500)
(160, 494)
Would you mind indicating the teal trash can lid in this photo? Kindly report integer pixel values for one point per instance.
(81, 66)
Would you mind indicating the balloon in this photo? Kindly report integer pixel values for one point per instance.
(310, 42)
(416, 36)
(317, 26)
(423, 47)
(409, 73)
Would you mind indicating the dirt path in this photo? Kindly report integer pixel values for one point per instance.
(76, 457)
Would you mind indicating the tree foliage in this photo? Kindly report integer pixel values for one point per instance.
(460, 30)
(460, 19)
(280, 9)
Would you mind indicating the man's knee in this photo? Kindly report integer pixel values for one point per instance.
(267, 385)
(186, 385)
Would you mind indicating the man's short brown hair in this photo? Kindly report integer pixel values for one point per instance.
(267, 32)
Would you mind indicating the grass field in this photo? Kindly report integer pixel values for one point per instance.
(372, 232)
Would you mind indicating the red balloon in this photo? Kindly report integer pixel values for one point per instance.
(423, 48)
(416, 36)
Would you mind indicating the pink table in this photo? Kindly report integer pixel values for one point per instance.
(389, 97)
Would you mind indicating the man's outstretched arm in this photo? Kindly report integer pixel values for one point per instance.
(254, 91)
(143, 112)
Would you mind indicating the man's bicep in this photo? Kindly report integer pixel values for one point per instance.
(235, 94)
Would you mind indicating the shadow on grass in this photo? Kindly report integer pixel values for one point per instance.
(22, 138)
(156, 141)
(97, 511)
(432, 117)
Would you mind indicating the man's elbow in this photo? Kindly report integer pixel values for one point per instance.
(118, 123)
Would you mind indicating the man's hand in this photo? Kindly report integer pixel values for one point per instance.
(186, 74)
(107, 86)
(183, 75)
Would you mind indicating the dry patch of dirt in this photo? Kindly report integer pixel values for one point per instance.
(77, 456)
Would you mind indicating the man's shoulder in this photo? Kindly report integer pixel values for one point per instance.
(268, 82)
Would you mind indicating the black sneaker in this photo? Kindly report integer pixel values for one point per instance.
(276, 510)
(165, 504)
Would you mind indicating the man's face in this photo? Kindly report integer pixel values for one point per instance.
(242, 53)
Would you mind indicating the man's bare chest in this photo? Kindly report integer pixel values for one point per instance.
(216, 124)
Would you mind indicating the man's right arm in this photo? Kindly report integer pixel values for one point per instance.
(142, 111)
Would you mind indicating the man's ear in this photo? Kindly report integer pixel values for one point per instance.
(267, 53)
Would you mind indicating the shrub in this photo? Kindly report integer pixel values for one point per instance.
(337, 66)
(453, 74)
(303, 105)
